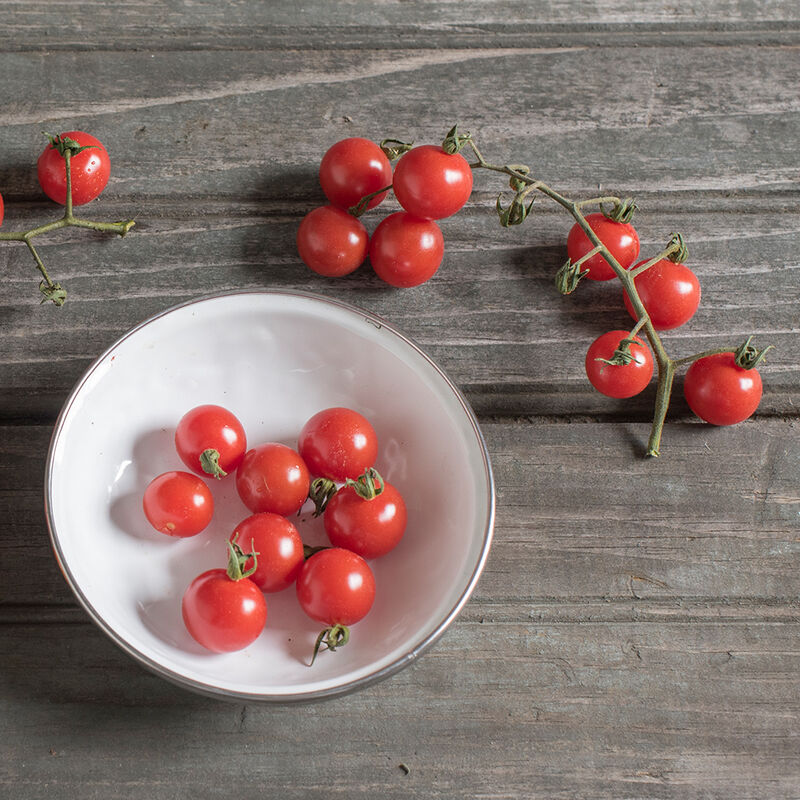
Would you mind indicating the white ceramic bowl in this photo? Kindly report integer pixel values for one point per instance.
(274, 359)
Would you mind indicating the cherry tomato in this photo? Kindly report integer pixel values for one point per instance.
(210, 440)
(338, 443)
(332, 242)
(370, 527)
(336, 587)
(223, 614)
(406, 251)
(624, 380)
(178, 504)
(352, 169)
(721, 392)
(670, 293)
(273, 478)
(279, 548)
(90, 170)
(430, 183)
(619, 237)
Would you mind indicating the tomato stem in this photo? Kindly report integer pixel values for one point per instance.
(367, 486)
(209, 463)
(54, 292)
(332, 637)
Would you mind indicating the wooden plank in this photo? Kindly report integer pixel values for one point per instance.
(580, 515)
(521, 709)
(490, 317)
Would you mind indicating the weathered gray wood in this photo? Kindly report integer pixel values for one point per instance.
(580, 515)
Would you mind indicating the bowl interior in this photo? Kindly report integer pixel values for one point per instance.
(274, 359)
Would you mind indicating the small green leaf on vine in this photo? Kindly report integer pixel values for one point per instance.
(569, 276)
(747, 356)
(513, 214)
(621, 211)
(454, 140)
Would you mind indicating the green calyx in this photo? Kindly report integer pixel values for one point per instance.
(367, 486)
(53, 292)
(622, 355)
(621, 211)
(747, 356)
(209, 463)
(515, 213)
(569, 276)
(394, 148)
(455, 141)
(333, 637)
(237, 559)
(680, 252)
(320, 492)
(64, 144)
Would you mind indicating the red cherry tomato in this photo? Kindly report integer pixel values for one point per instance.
(336, 587)
(432, 184)
(178, 504)
(338, 443)
(619, 237)
(332, 242)
(371, 527)
(352, 169)
(624, 380)
(279, 548)
(90, 170)
(670, 293)
(210, 440)
(406, 251)
(273, 478)
(223, 614)
(721, 392)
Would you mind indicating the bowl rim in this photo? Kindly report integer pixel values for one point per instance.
(304, 696)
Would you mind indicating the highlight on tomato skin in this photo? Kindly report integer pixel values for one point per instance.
(721, 392)
(620, 238)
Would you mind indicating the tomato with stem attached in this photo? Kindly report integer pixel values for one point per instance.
(721, 392)
(332, 242)
(178, 504)
(273, 477)
(223, 610)
(338, 443)
(618, 380)
(89, 170)
(405, 250)
(367, 516)
(670, 293)
(279, 548)
(210, 440)
(353, 168)
(430, 183)
(336, 588)
(620, 238)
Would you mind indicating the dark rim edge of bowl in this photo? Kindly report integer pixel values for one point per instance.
(225, 694)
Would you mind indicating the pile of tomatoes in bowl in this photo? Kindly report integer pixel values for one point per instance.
(407, 247)
(224, 608)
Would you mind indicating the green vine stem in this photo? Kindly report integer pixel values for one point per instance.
(523, 183)
(51, 290)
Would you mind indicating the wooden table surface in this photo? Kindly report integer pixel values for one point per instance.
(636, 631)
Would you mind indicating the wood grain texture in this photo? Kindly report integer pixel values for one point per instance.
(636, 631)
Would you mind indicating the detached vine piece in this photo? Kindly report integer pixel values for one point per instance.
(570, 274)
(51, 290)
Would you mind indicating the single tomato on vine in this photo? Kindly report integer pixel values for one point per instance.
(210, 440)
(223, 610)
(89, 170)
(353, 168)
(178, 504)
(332, 242)
(430, 183)
(721, 392)
(367, 516)
(338, 443)
(670, 293)
(279, 548)
(406, 251)
(618, 380)
(620, 238)
(273, 477)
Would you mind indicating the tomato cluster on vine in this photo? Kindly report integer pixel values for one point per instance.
(407, 247)
(364, 516)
